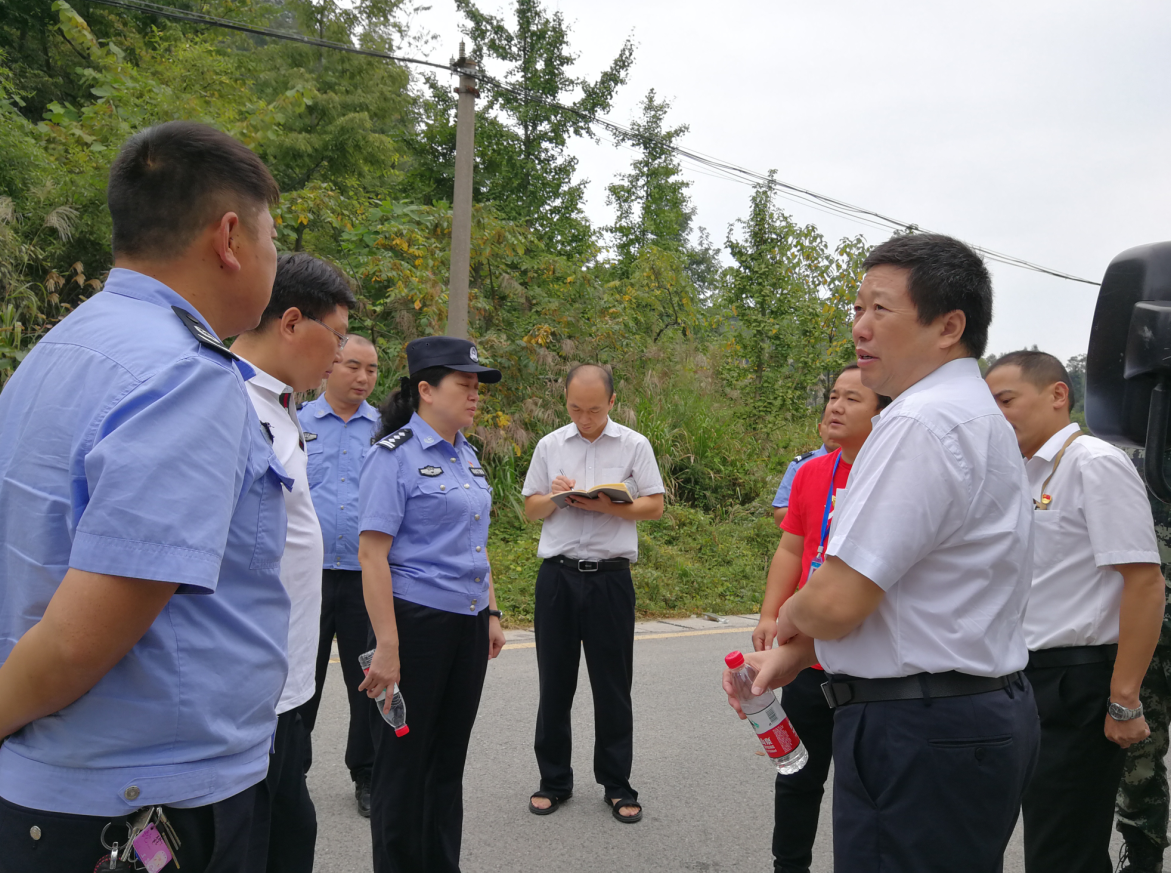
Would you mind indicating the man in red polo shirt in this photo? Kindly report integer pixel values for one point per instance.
(805, 534)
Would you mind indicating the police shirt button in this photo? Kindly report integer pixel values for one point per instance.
(479, 549)
(343, 478)
(442, 487)
(467, 485)
(453, 460)
(477, 578)
(477, 519)
(34, 832)
(131, 793)
(339, 536)
(345, 452)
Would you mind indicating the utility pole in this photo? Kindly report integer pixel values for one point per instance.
(461, 201)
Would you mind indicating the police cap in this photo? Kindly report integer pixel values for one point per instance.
(447, 351)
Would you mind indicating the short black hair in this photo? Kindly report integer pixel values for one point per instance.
(1039, 369)
(945, 275)
(312, 285)
(607, 376)
(172, 180)
(883, 400)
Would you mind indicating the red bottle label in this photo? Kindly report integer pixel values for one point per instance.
(775, 730)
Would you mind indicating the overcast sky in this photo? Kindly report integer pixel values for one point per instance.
(1037, 129)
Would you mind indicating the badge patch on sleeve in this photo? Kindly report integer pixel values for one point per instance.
(431, 471)
(477, 471)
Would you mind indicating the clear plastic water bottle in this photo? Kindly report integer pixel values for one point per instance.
(772, 726)
(397, 717)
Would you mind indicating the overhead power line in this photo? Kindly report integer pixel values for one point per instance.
(710, 165)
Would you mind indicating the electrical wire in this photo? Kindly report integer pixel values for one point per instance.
(712, 166)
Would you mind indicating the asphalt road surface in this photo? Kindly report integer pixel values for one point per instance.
(707, 795)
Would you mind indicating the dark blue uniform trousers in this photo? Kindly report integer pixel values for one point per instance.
(931, 785)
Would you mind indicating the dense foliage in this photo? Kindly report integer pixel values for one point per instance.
(722, 366)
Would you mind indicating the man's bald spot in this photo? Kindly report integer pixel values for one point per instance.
(591, 373)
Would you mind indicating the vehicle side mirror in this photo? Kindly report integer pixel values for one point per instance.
(1128, 363)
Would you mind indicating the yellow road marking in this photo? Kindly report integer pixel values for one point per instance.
(695, 633)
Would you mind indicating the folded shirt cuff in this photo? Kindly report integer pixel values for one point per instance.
(197, 571)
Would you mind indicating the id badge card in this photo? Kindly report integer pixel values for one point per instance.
(813, 565)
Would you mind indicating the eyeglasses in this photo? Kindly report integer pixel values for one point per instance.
(341, 340)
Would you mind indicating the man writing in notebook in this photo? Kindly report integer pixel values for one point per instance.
(584, 593)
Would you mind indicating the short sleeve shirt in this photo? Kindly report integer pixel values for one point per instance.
(129, 447)
(336, 450)
(1098, 517)
(938, 516)
(434, 499)
(617, 454)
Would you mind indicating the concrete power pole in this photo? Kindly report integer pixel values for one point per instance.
(461, 202)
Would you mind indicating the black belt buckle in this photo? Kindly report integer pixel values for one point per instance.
(831, 689)
(587, 566)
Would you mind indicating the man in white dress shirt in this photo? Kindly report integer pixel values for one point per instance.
(917, 612)
(1093, 617)
(292, 350)
(584, 593)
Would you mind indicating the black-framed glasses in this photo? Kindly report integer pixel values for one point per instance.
(341, 340)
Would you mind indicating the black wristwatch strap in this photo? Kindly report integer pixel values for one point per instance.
(495, 613)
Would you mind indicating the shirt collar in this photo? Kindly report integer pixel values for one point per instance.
(139, 286)
(1053, 445)
(611, 430)
(961, 368)
(429, 437)
(268, 382)
(321, 408)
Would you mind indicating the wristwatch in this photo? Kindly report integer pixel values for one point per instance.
(496, 613)
(1118, 712)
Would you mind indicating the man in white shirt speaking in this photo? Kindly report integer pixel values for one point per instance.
(917, 611)
(1093, 617)
(584, 592)
(293, 349)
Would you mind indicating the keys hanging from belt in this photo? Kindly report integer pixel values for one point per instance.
(151, 843)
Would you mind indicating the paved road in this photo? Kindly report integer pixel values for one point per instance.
(707, 794)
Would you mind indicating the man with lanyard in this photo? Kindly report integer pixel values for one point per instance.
(339, 428)
(818, 484)
(781, 500)
(293, 349)
(1093, 617)
(917, 611)
(143, 624)
(584, 592)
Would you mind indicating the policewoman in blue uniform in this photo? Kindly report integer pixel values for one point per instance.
(424, 504)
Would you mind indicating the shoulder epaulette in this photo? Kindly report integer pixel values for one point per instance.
(396, 439)
(805, 457)
(202, 334)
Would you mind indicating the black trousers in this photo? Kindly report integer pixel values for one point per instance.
(343, 614)
(216, 838)
(284, 809)
(416, 793)
(798, 795)
(931, 785)
(1069, 804)
(595, 611)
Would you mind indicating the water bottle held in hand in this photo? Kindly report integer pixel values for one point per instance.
(764, 712)
(397, 717)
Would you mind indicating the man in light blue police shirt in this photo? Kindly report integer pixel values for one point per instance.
(143, 622)
(339, 428)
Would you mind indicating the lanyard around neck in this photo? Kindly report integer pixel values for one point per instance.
(829, 502)
(1047, 499)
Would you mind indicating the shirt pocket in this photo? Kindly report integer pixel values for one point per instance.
(1048, 549)
(429, 501)
(272, 521)
(315, 469)
(612, 475)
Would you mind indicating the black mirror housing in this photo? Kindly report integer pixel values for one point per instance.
(1128, 363)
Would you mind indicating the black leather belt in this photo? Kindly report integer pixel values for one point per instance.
(840, 689)
(1072, 656)
(582, 566)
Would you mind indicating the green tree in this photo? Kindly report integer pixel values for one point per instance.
(534, 176)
